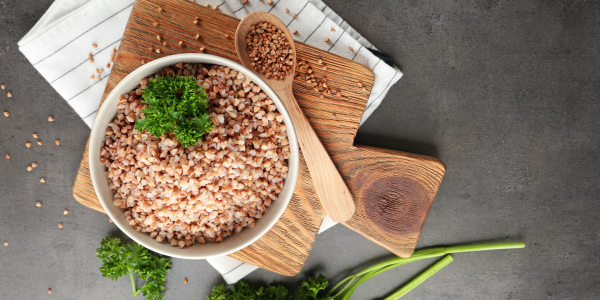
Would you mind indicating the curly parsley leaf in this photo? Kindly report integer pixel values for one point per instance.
(244, 291)
(176, 104)
(311, 287)
(278, 292)
(121, 260)
(220, 292)
(113, 257)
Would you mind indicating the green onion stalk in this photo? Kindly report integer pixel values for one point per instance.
(353, 281)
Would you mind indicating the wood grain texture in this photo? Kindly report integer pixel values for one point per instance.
(334, 195)
(393, 191)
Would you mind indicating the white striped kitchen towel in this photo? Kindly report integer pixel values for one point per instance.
(60, 41)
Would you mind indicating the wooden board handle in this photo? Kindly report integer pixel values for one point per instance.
(334, 195)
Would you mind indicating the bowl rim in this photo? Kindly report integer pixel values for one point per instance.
(120, 221)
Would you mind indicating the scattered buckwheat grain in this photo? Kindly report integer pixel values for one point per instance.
(66, 212)
(28, 144)
(295, 31)
(185, 280)
(294, 16)
(5, 244)
(34, 165)
(94, 46)
(39, 143)
(50, 119)
(90, 55)
(38, 204)
(42, 179)
(60, 225)
(326, 40)
(57, 142)
(7, 156)
(49, 291)
(180, 43)
(9, 95)
(2, 86)
(351, 49)
(6, 114)
(287, 11)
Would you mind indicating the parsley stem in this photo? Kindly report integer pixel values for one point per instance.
(422, 277)
(133, 284)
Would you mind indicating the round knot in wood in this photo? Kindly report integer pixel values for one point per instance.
(396, 205)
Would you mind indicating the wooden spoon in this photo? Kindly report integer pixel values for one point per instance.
(335, 196)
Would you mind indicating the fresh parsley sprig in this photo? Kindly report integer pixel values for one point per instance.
(176, 104)
(243, 291)
(311, 287)
(120, 260)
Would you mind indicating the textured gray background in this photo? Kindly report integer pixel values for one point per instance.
(504, 92)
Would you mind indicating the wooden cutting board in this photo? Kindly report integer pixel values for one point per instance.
(393, 190)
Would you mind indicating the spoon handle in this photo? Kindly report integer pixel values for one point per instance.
(333, 192)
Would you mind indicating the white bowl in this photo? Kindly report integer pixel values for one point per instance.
(232, 243)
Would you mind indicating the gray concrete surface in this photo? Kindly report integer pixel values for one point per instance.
(504, 92)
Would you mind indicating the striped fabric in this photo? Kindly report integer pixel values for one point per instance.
(58, 45)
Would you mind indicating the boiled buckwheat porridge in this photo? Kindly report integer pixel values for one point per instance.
(223, 183)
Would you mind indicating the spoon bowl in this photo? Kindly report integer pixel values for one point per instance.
(240, 46)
